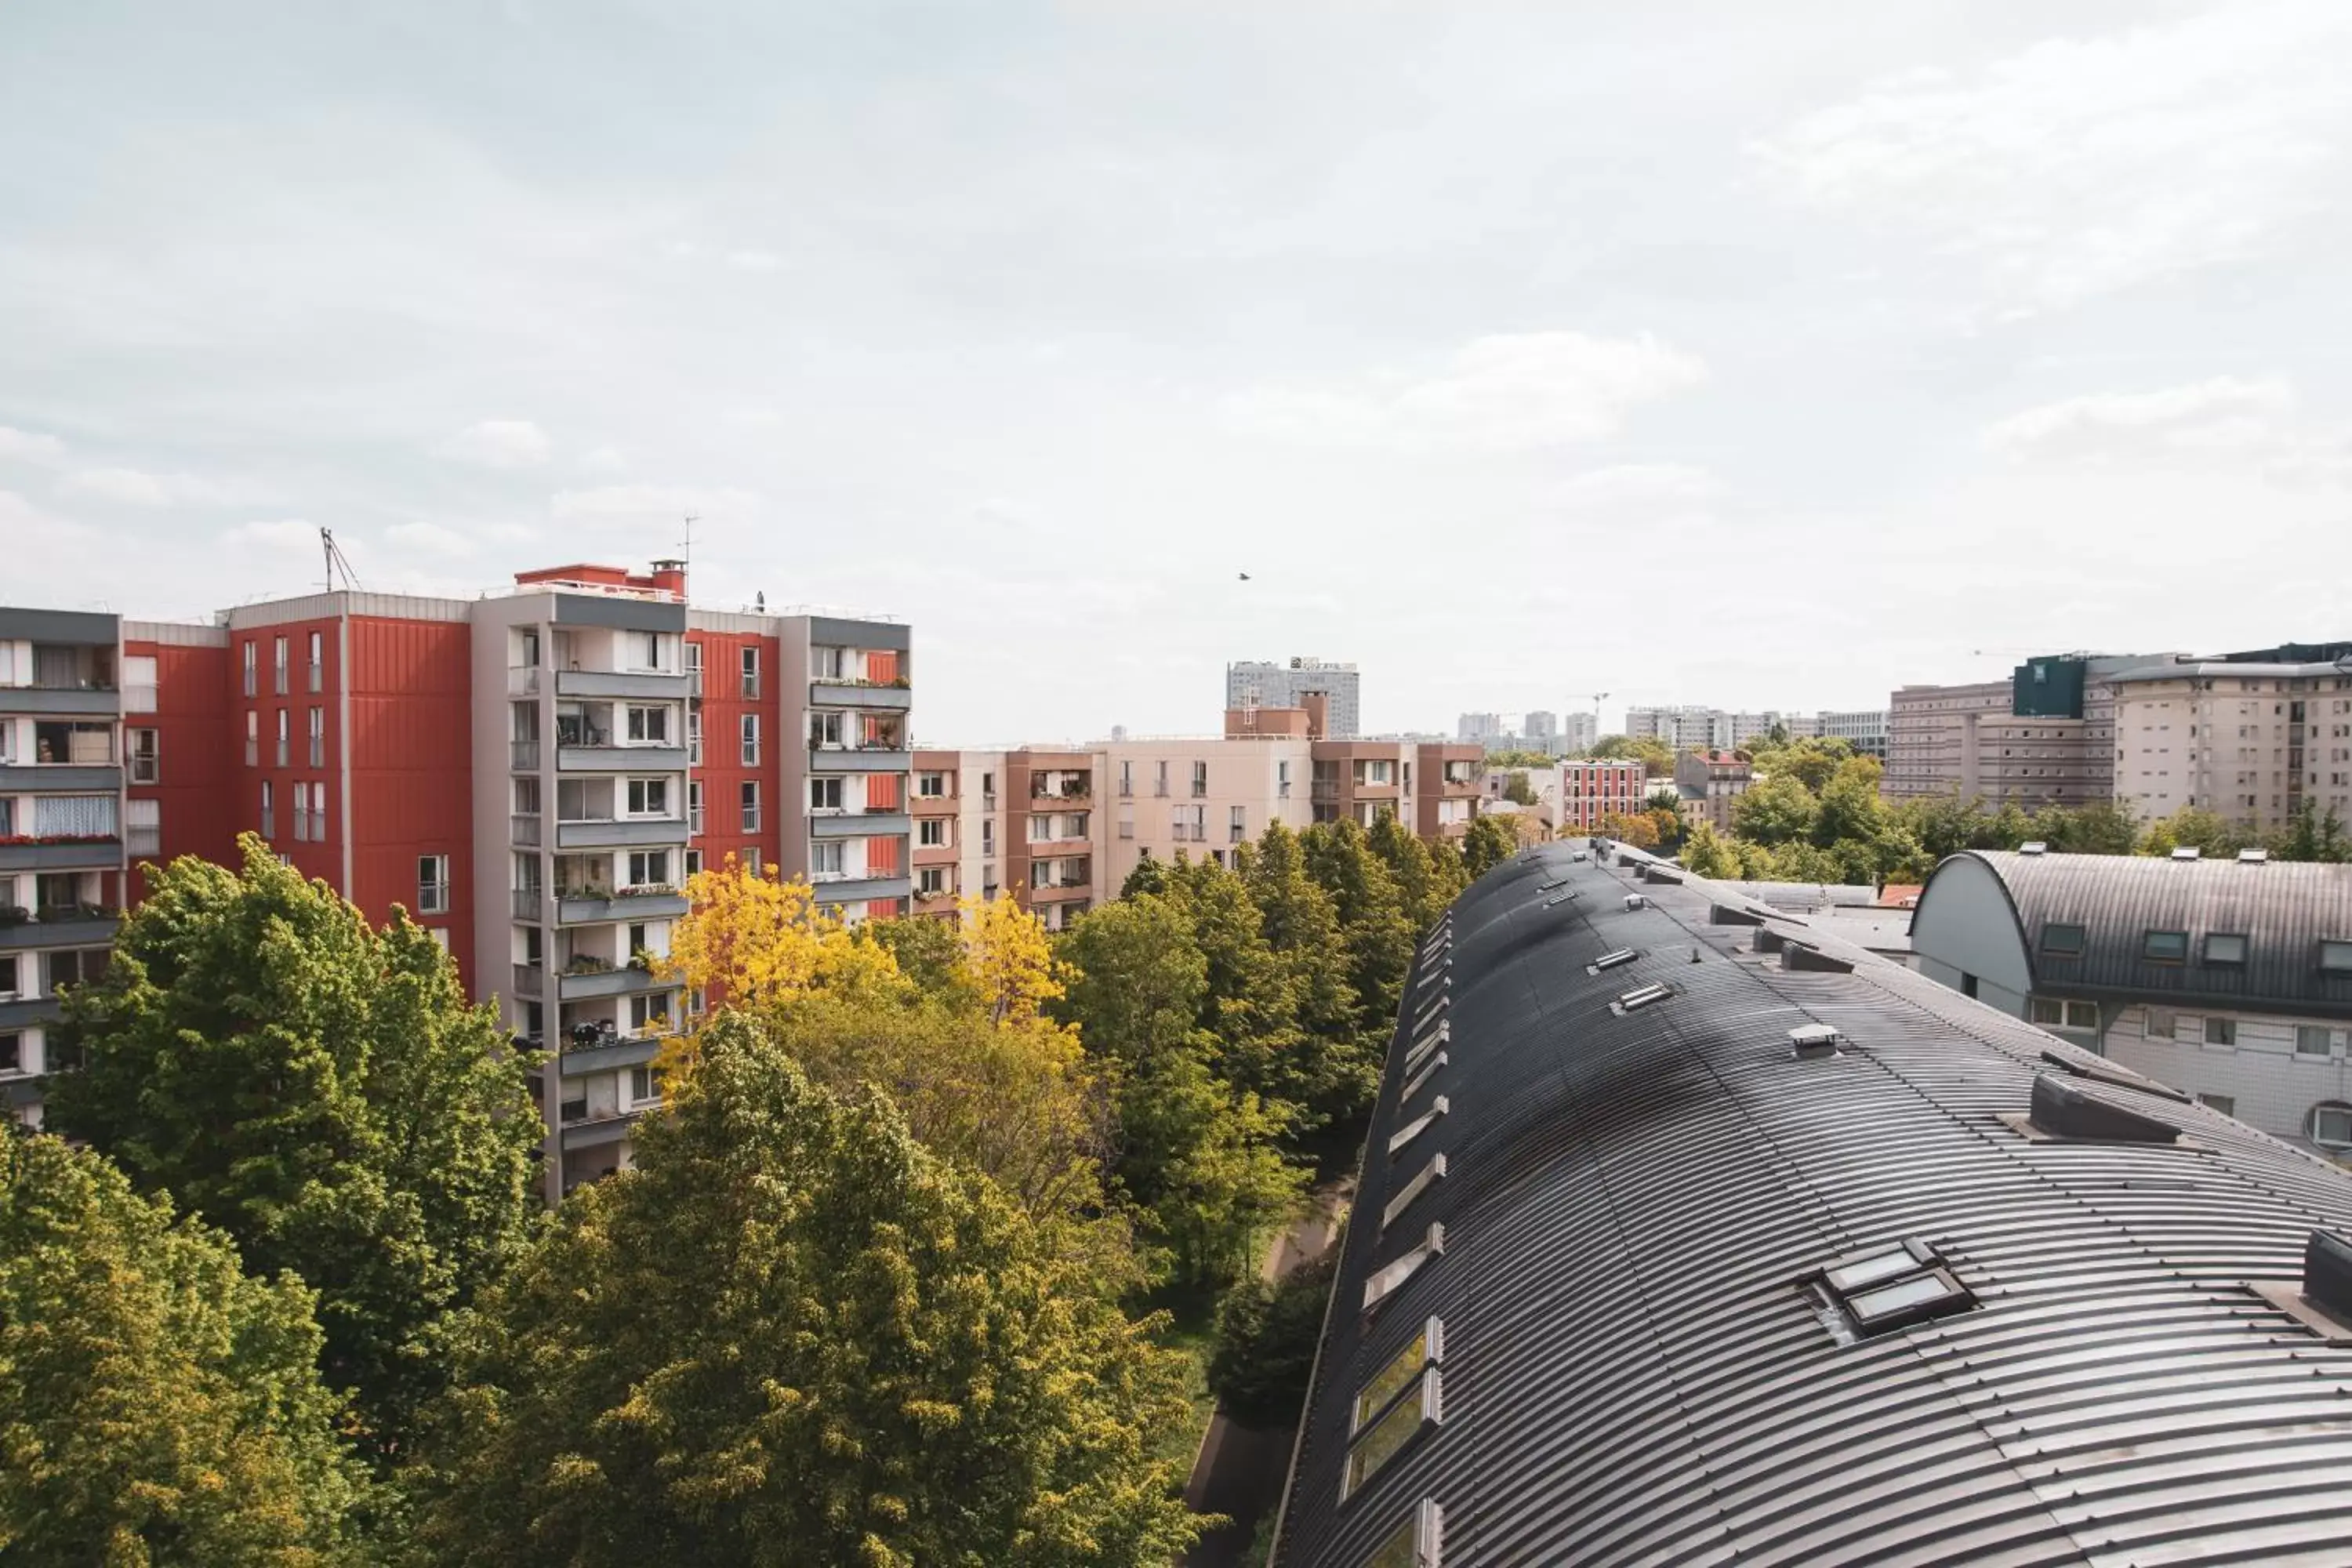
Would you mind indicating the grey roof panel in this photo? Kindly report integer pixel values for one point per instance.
(1632, 1369)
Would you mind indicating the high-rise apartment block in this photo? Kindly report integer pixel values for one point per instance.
(581, 742)
(2044, 737)
(2255, 737)
(1679, 728)
(1540, 729)
(1579, 731)
(1863, 729)
(1252, 683)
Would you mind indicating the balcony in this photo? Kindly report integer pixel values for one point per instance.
(530, 980)
(822, 693)
(838, 889)
(30, 778)
(625, 981)
(843, 758)
(71, 925)
(617, 833)
(588, 906)
(884, 824)
(529, 904)
(522, 680)
(669, 686)
(61, 853)
(594, 750)
(604, 1050)
(98, 701)
(523, 830)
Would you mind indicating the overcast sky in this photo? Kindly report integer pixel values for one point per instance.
(1751, 354)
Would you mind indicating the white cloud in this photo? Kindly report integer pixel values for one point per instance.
(430, 538)
(603, 461)
(1639, 484)
(633, 503)
(136, 486)
(1498, 393)
(754, 261)
(29, 447)
(285, 533)
(2254, 429)
(2079, 167)
(501, 444)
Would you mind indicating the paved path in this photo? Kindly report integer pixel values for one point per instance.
(1239, 1470)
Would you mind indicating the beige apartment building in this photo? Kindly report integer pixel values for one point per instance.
(2251, 738)
(2044, 736)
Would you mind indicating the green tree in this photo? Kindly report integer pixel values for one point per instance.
(792, 1338)
(320, 1090)
(1373, 927)
(1200, 1157)
(1517, 790)
(2311, 835)
(1407, 858)
(1267, 1336)
(1849, 806)
(1149, 876)
(1943, 824)
(1451, 870)
(1302, 931)
(1707, 853)
(156, 1404)
(2095, 827)
(929, 952)
(1656, 756)
(1775, 811)
(2192, 827)
(1487, 845)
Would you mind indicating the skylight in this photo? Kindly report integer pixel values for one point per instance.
(2225, 948)
(1633, 1001)
(1418, 1542)
(1389, 1280)
(1426, 1348)
(1893, 1286)
(2335, 957)
(2064, 941)
(1423, 1180)
(1611, 960)
(1420, 1080)
(1420, 1124)
(1419, 1411)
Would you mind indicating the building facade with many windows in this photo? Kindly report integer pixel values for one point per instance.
(2255, 740)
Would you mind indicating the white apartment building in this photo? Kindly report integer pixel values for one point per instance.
(1259, 683)
(2254, 741)
(1200, 794)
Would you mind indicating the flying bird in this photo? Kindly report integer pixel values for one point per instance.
(1245, 577)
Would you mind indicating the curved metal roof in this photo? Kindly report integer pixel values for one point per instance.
(1633, 1202)
(1809, 895)
(2284, 908)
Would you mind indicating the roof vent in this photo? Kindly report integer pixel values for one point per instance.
(1611, 960)
(2061, 1110)
(1636, 901)
(1555, 885)
(2327, 1274)
(1640, 997)
(2253, 856)
(2034, 846)
(1727, 915)
(1660, 874)
(2189, 852)
(1801, 955)
(1810, 1040)
(2106, 1072)
(1770, 941)
(1558, 899)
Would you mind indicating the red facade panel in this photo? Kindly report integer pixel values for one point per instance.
(316, 853)
(723, 773)
(412, 769)
(195, 765)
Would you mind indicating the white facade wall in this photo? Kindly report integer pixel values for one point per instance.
(2267, 1075)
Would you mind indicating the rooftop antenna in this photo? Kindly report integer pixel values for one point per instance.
(336, 561)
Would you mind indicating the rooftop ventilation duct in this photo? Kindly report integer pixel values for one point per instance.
(1810, 1040)
(1660, 874)
(1800, 955)
(2327, 1274)
(1770, 941)
(2061, 1110)
(2253, 857)
(1727, 915)
(2034, 846)
(2189, 852)
(1637, 901)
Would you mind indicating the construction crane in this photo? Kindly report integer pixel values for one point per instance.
(337, 564)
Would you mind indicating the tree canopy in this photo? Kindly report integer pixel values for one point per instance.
(319, 1090)
(156, 1404)
(793, 1338)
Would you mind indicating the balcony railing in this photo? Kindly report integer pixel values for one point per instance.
(144, 841)
(528, 903)
(522, 679)
(318, 678)
(529, 980)
(525, 756)
(523, 829)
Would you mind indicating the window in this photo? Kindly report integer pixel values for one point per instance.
(694, 808)
(526, 796)
(2224, 948)
(318, 737)
(644, 1085)
(988, 836)
(828, 663)
(277, 665)
(2335, 957)
(1391, 1279)
(318, 661)
(76, 966)
(285, 737)
(750, 805)
(1426, 1348)
(751, 740)
(930, 880)
(268, 810)
(2081, 1015)
(694, 862)
(1893, 1286)
(647, 646)
(751, 672)
(1423, 1180)
(2331, 1125)
(648, 1012)
(2311, 1039)
(1200, 778)
(8, 977)
(649, 726)
(433, 884)
(1237, 830)
(2165, 947)
(932, 832)
(143, 750)
(1407, 1419)
(1418, 1541)
(248, 667)
(825, 795)
(649, 797)
(302, 812)
(2062, 940)
(648, 868)
(2158, 1024)
(931, 786)
(2225, 1104)
(2221, 1031)
(12, 1052)
(827, 858)
(2047, 1011)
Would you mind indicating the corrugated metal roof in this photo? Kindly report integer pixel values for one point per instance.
(1631, 1370)
(1809, 895)
(2284, 908)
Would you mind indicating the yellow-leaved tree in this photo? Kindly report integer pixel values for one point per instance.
(1008, 957)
